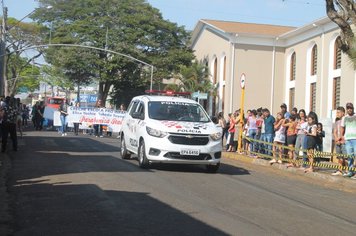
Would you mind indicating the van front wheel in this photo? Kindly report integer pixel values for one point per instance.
(124, 152)
(142, 159)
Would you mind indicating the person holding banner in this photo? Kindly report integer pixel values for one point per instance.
(76, 124)
(98, 129)
(63, 109)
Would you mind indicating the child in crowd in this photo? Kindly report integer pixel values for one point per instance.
(311, 133)
(279, 138)
(320, 134)
(291, 126)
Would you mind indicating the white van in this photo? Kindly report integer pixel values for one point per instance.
(168, 129)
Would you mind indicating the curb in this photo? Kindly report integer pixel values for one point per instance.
(344, 183)
(5, 212)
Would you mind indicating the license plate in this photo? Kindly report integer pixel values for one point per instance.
(189, 152)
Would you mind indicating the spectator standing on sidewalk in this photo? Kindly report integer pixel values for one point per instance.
(252, 130)
(222, 123)
(339, 140)
(348, 128)
(310, 140)
(230, 139)
(291, 126)
(269, 130)
(8, 114)
(279, 139)
(301, 126)
(320, 135)
(284, 111)
(259, 134)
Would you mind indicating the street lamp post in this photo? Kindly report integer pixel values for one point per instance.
(2, 49)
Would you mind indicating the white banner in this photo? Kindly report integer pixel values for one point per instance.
(90, 116)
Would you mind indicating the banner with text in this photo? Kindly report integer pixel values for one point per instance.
(90, 116)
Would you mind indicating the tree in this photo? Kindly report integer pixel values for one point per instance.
(22, 76)
(196, 78)
(130, 27)
(55, 77)
(343, 13)
(19, 37)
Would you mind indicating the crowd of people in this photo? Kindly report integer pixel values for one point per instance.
(294, 134)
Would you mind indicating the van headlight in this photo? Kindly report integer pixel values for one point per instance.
(216, 136)
(156, 133)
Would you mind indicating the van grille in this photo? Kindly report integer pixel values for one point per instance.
(189, 139)
(176, 155)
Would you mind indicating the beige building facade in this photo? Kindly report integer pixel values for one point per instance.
(301, 67)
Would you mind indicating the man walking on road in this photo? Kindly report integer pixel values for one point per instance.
(8, 114)
(348, 128)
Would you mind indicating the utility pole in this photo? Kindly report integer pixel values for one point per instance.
(3, 50)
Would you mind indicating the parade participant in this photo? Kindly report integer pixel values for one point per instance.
(98, 128)
(76, 124)
(63, 109)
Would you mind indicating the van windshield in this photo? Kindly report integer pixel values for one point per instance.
(177, 111)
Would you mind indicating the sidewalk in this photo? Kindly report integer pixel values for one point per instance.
(5, 212)
(322, 174)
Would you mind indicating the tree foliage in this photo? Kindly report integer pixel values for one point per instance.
(193, 78)
(130, 27)
(20, 36)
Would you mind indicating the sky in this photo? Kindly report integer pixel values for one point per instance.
(188, 12)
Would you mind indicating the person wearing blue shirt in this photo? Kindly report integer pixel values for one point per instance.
(269, 129)
(284, 111)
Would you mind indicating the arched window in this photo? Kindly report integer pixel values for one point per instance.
(293, 67)
(215, 79)
(314, 60)
(223, 89)
(312, 104)
(337, 54)
(215, 76)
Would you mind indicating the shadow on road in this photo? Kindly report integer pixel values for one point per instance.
(62, 208)
(224, 169)
(88, 210)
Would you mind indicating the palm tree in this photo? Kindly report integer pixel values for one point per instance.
(195, 78)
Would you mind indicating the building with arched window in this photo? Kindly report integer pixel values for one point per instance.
(301, 67)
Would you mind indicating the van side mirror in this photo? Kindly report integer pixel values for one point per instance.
(138, 115)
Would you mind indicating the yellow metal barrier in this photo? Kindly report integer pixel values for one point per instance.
(316, 154)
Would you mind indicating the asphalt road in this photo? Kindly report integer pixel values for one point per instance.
(80, 186)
